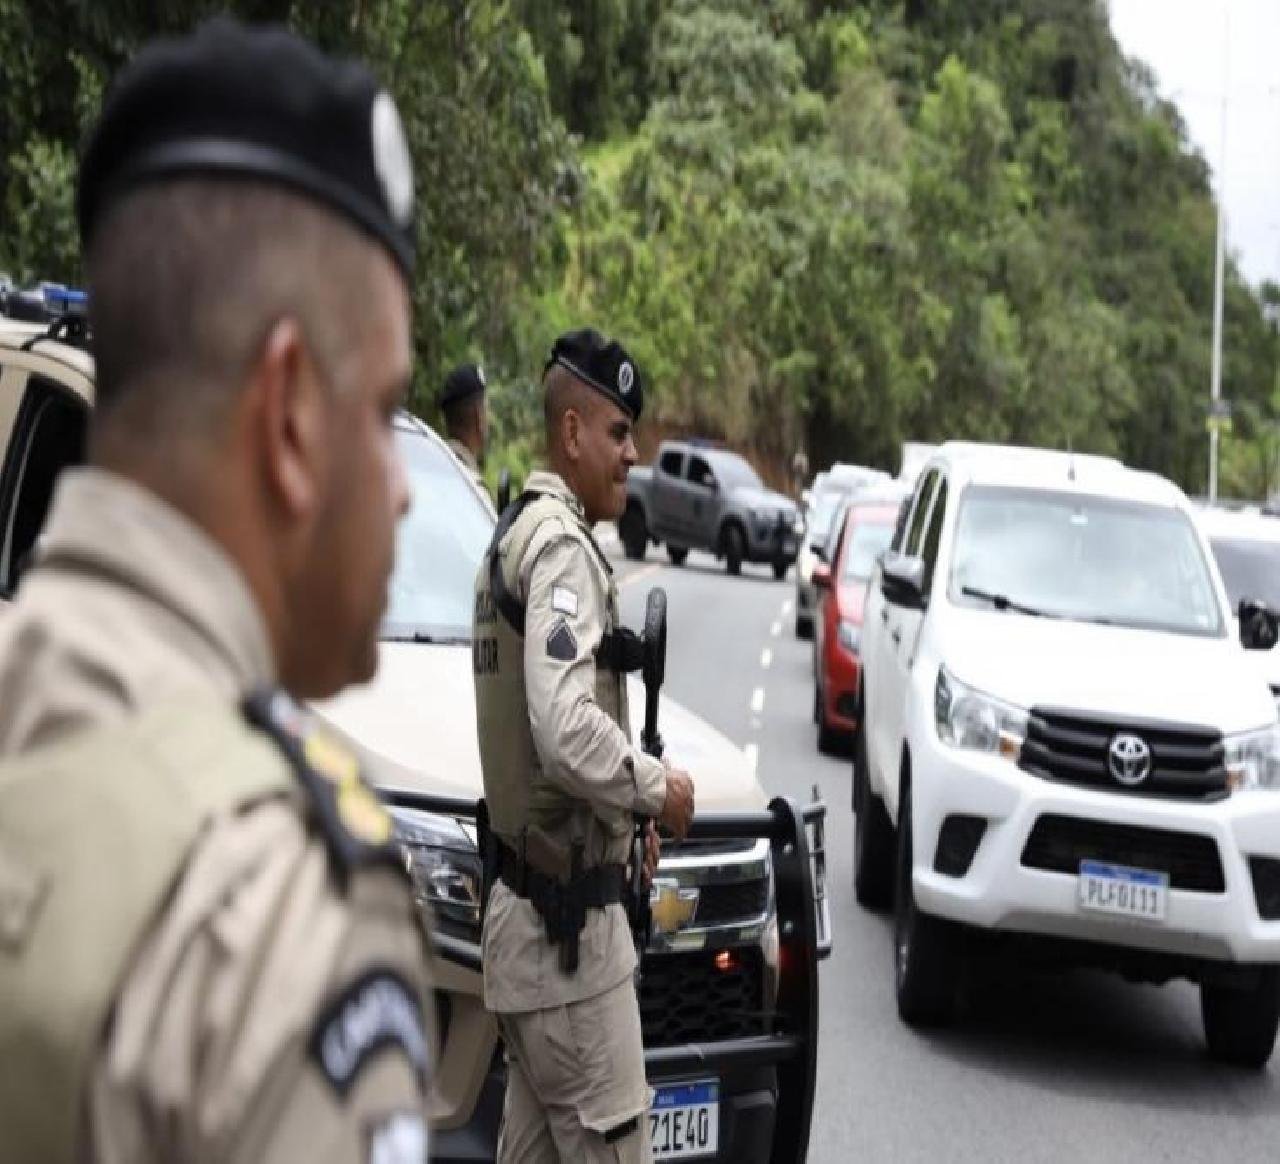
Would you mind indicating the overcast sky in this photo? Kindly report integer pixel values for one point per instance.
(1185, 42)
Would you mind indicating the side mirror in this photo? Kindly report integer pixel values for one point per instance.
(902, 580)
(819, 550)
(1259, 627)
(821, 576)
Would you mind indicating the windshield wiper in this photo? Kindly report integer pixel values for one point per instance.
(1004, 602)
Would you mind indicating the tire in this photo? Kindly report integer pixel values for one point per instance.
(677, 554)
(873, 840)
(926, 963)
(735, 548)
(634, 533)
(780, 568)
(1240, 1025)
(804, 626)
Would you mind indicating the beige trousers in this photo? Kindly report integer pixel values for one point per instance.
(576, 1089)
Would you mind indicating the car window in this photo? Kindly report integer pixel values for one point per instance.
(1088, 559)
(1250, 568)
(671, 462)
(48, 435)
(865, 541)
(929, 551)
(699, 472)
(920, 513)
(439, 546)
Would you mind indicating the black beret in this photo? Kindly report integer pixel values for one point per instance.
(259, 103)
(465, 380)
(604, 364)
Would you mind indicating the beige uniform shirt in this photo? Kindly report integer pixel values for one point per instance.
(236, 1035)
(566, 587)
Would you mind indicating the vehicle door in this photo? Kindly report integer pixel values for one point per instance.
(887, 687)
(702, 501)
(667, 498)
(43, 422)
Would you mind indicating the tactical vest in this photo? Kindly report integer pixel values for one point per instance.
(517, 791)
(94, 834)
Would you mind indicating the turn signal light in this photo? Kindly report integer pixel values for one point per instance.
(725, 961)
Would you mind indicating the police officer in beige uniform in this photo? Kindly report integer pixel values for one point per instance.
(563, 781)
(208, 946)
(466, 417)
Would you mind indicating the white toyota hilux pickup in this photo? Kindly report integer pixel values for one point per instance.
(1063, 747)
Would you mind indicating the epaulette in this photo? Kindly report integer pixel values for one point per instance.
(357, 828)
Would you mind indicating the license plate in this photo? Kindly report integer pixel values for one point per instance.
(1117, 889)
(684, 1120)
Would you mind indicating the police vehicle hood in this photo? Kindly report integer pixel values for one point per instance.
(415, 725)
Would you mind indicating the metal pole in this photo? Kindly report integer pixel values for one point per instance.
(1215, 381)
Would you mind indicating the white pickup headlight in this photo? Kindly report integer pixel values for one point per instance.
(967, 718)
(444, 862)
(1252, 759)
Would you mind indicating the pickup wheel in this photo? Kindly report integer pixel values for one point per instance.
(735, 547)
(926, 962)
(1240, 1025)
(633, 532)
(780, 568)
(677, 554)
(873, 839)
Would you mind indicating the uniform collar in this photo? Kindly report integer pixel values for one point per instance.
(545, 481)
(103, 524)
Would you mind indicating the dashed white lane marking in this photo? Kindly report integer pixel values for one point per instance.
(643, 572)
(766, 657)
(776, 629)
(786, 608)
(757, 700)
(752, 752)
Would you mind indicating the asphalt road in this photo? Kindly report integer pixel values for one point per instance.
(1077, 1066)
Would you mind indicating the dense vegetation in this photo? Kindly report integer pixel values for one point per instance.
(831, 224)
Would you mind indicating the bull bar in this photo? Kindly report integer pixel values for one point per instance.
(804, 938)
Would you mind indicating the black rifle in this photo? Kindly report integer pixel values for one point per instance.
(654, 671)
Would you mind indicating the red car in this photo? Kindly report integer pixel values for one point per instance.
(858, 537)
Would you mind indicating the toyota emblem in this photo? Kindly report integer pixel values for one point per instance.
(1129, 759)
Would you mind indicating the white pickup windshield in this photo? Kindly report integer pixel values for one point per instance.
(439, 546)
(1088, 559)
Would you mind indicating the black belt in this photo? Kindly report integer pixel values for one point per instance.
(595, 888)
(562, 905)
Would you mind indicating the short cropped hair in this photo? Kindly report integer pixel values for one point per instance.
(187, 277)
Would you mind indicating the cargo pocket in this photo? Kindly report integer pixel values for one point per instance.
(606, 1036)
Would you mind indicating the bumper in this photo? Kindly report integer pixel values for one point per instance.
(840, 669)
(1000, 892)
(772, 543)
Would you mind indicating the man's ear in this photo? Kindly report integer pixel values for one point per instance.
(290, 418)
(571, 431)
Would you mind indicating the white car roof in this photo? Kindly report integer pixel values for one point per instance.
(1237, 524)
(1015, 466)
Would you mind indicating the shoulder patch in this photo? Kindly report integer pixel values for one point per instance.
(357, 828)
(377, 1012)
(564, 600)
(561, 644)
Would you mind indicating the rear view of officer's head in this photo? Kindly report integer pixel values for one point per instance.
(466, 418)
(246, 206)
(594, 396)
